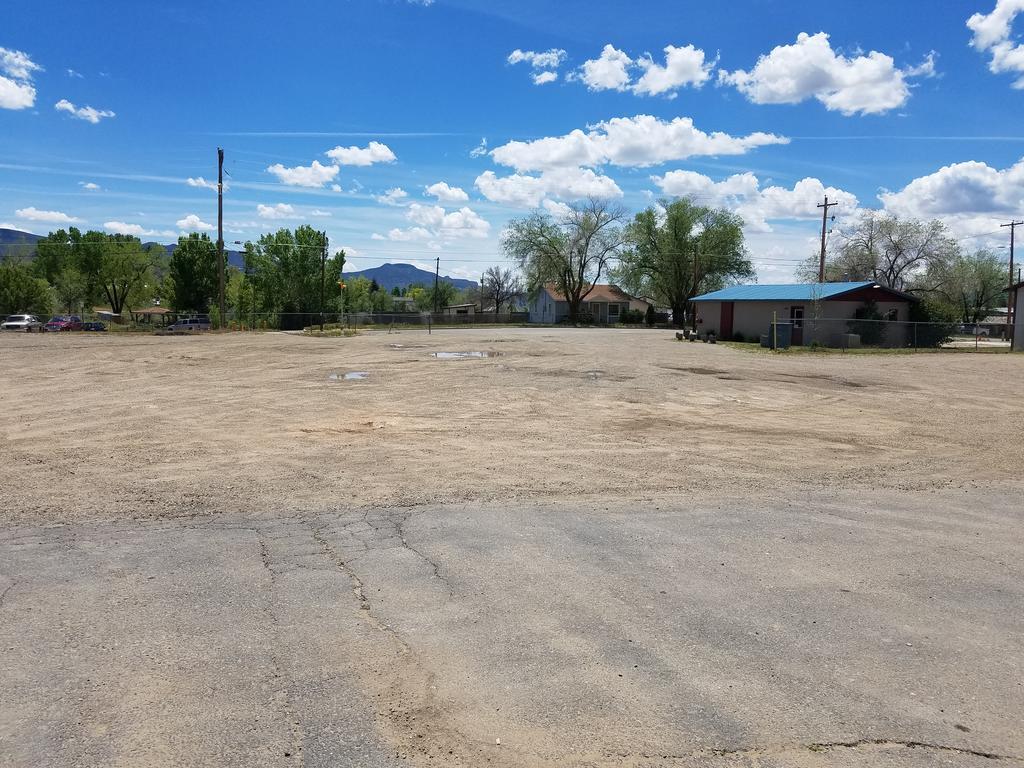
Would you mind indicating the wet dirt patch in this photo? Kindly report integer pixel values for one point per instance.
(350, 376)
(462, 355)
(695, 369)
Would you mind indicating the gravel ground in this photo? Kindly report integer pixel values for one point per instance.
(594, 548)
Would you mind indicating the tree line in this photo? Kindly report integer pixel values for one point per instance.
(667, 254)
(676, 250)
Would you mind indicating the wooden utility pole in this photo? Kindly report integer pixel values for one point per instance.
(220, 235)
(824, 227)
(1009, 289)
(323, 266)
(437, 273)
(696, 281)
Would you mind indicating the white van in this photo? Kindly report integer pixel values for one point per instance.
(192, 323)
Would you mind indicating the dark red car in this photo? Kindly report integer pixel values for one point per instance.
(64, 323)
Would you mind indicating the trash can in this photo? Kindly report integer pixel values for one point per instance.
(780, 335)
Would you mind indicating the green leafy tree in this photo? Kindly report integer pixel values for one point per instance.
(55, 253)
(193, 273)
(22, 292)
(284, 269)
(69, 289)
(972, 284)
(680, 251)
(570, 253)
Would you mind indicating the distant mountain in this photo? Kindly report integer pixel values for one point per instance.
(234, 257)
(14, 242)
(390, 276)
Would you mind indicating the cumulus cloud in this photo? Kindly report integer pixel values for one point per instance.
(525, 191)
(480, 150)
(556, 209)
(637, 141)
(447, 194)
(314, 175)
(685, 66)
(89, 185)
(89, 114)
(609, 71)
(432, 222)
(279, 211)
(970, 197)
(136, 230)
(50, 217)
(393, 196)
(193, 222)
(993, 35)
(743, 194)
(316, 212)
(18, 70)
(201, 182)
(548, 61)
(863, 84)
(374, 152)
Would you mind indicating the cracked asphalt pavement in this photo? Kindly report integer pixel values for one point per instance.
(263, 600)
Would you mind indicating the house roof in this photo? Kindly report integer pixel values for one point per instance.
(597, 293)
(791, 292)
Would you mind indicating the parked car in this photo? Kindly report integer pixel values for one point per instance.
(27, 323)
(64, 323)
(192, 323)
(93, 326)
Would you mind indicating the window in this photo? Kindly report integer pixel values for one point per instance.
(796, 314)
(613, 310)
(892, 315)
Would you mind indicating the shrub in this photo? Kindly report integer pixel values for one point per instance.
(650, 317)
(739, 337)
(867, 324)
(934, 324)
(631, 317)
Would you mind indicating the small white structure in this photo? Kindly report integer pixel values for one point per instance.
(604, 303)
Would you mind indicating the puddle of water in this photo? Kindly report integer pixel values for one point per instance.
(350, 376)
(461, 355)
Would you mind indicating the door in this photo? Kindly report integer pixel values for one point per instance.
(796, 316)
(725, 326)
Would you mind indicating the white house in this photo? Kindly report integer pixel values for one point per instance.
(819, 311)
(605, 303)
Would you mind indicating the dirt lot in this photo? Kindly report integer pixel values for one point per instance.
(130, 426)
(594, 548)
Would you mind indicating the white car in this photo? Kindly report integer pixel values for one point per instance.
(191, 323)
(27, 323)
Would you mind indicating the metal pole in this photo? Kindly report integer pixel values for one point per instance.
(220, 235)
(1009, 289)
(323, 266)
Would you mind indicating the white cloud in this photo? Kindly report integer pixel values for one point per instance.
(49, 217)
(550, 59)
(524, 191)
(447, 194)
(556, 209)
(335, 187)
(315, 175)
(136, 230)
(993, 35)
(610, 71)
(201, 182)
(72, 73)
(193, 222)
(89, 114)
(637, 141)
(971, 198)
(540, 78)
(16, 89)
(432, 222)
(480, 150)
(319, 214)
(89, 185)
(683, 66)
(743, 194)
(374, 152)
(393, 196)
(279, 211)
(810, 68)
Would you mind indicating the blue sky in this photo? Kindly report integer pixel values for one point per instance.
(325, 109)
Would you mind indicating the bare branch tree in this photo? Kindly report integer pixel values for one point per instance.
(572, 253)
(500, 286)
